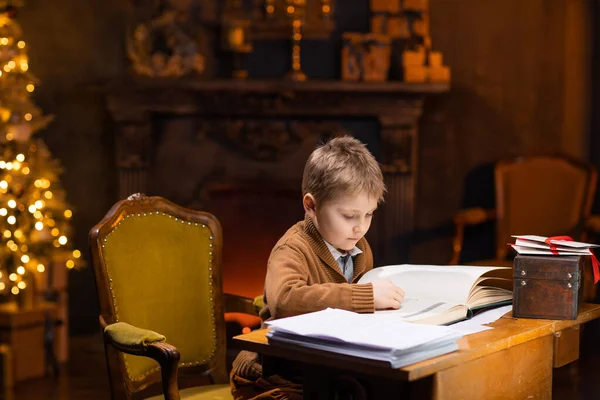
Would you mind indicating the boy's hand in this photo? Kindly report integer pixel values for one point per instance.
(387, 295)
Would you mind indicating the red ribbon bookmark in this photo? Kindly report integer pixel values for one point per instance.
(595, 262)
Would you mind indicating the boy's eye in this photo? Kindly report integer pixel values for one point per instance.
(369, 215)
(349, 216)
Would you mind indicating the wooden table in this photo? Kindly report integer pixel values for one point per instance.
(512, 361)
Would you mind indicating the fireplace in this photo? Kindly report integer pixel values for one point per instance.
(237, 150)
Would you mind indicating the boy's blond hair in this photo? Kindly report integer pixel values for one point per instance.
(342, 166)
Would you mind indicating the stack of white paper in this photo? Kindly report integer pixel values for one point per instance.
(381, 337)
(541, 245)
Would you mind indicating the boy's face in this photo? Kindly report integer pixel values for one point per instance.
(341, 221)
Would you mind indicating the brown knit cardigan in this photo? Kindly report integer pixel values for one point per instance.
(302, 277)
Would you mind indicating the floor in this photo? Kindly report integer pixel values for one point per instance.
(85, 377)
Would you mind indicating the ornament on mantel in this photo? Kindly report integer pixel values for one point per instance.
(163, 47)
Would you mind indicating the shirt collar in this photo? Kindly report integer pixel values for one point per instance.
(337, 254)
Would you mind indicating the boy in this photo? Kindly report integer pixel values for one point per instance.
(317, 262)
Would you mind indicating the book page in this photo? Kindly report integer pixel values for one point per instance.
(369, 330)
(419, 309)
(448, 284)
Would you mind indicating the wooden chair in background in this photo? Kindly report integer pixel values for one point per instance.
(158, 272)
(542, 195)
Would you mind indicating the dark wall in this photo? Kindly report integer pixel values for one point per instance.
(510, 82)
(507, 98)
(594, 148)
(72, 44)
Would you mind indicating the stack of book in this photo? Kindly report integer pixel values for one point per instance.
(383, 338)
(557, 245)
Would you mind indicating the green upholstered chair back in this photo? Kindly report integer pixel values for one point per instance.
(157, 266)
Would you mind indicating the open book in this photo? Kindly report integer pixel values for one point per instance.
(439, 295)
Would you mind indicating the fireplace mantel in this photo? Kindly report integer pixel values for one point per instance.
(264, 97)
(134, 102)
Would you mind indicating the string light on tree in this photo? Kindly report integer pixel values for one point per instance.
(35, 224)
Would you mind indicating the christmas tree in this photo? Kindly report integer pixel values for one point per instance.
(34, 215)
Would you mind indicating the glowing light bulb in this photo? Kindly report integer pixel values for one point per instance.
(70, 264)
(7, 234)
(68, 213)
(3, 184)
(25, 258)
(25, 170)
(20, 157)
(20, 270)
(12, 277)
(12, 64)
(32, 208)
(39, 225)
(28, 117)
(30, 87)
(2, 286)
(12, 203)
(3, 211)
(41, 268)
(76, 253)
(11, 220)
(39, 204)
(48, 195)
(4, 41)
(22, 285)
(14, 290)
(55, 232)
(62, 240)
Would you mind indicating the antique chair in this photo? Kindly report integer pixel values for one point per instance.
(157, 268)
(543, 195)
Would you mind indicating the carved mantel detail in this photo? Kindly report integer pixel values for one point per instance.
(268, 120)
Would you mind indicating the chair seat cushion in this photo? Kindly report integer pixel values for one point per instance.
(209, 392)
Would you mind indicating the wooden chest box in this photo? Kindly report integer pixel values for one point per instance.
(548, 287)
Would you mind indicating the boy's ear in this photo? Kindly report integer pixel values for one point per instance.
(309, 205)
